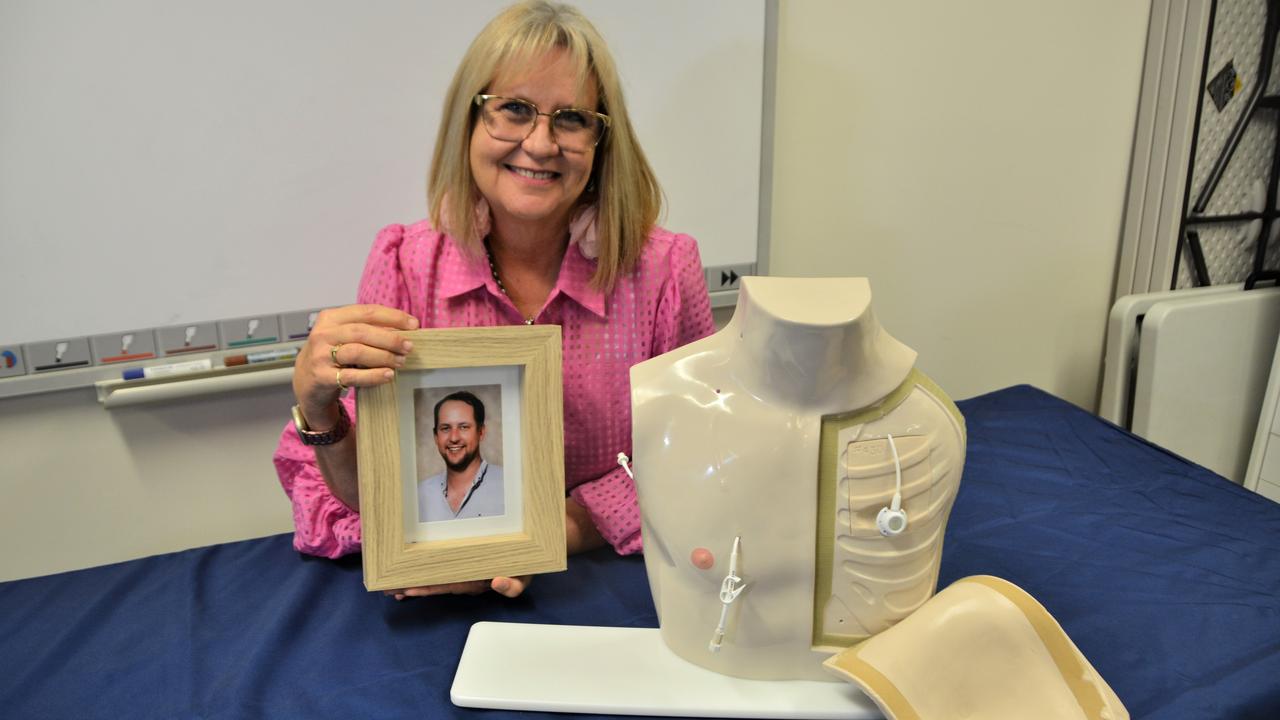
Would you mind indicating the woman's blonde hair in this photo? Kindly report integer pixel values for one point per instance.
(622, 184)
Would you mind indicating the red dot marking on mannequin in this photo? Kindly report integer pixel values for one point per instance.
(702, 558)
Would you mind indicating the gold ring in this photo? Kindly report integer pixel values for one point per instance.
(341, 388)
(333, 355)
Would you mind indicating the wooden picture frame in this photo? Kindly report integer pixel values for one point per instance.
(403, 549)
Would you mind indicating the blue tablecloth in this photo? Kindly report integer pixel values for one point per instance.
(1165, 575)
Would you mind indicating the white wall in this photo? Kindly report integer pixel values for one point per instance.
(971, 159)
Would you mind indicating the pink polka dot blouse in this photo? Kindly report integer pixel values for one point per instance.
(660, 306)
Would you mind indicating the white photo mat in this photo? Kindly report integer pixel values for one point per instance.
(509, 377)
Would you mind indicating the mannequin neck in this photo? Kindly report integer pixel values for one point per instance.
(814, 343)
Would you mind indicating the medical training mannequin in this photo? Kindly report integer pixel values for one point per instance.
(789, 433)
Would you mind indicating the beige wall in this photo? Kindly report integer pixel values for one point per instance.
(971, 159)
(84, 486)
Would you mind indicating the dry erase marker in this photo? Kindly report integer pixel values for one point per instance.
(159, 371)
(260, 357)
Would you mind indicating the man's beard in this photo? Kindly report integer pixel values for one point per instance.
(464, 463)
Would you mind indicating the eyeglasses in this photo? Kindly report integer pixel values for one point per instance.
(513, 120)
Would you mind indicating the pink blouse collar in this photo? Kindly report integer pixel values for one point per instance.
(576, 270)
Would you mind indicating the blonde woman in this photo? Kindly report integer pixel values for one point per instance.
(543, 209)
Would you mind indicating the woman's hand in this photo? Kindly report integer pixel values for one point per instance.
(510, 587)
(580, 532)
(358, 345)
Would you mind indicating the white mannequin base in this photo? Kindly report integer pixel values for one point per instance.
(625, 671)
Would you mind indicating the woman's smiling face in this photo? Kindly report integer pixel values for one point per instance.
(534, 183)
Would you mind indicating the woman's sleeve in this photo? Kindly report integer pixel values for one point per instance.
(611, 502)
(323, 524)
(682, 315)
(684, 310)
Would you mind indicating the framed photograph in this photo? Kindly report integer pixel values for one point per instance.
(461, 459)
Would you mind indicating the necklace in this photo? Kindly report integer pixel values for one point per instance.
(493, 268)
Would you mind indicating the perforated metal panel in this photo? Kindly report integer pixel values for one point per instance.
(1228, 248)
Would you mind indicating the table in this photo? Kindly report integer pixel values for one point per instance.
(1165, 575)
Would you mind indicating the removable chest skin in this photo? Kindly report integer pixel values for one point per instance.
(773, 431)
(982, 644)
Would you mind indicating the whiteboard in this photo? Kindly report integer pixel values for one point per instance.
(173, 161)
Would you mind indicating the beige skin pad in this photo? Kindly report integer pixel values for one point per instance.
(982, 649)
